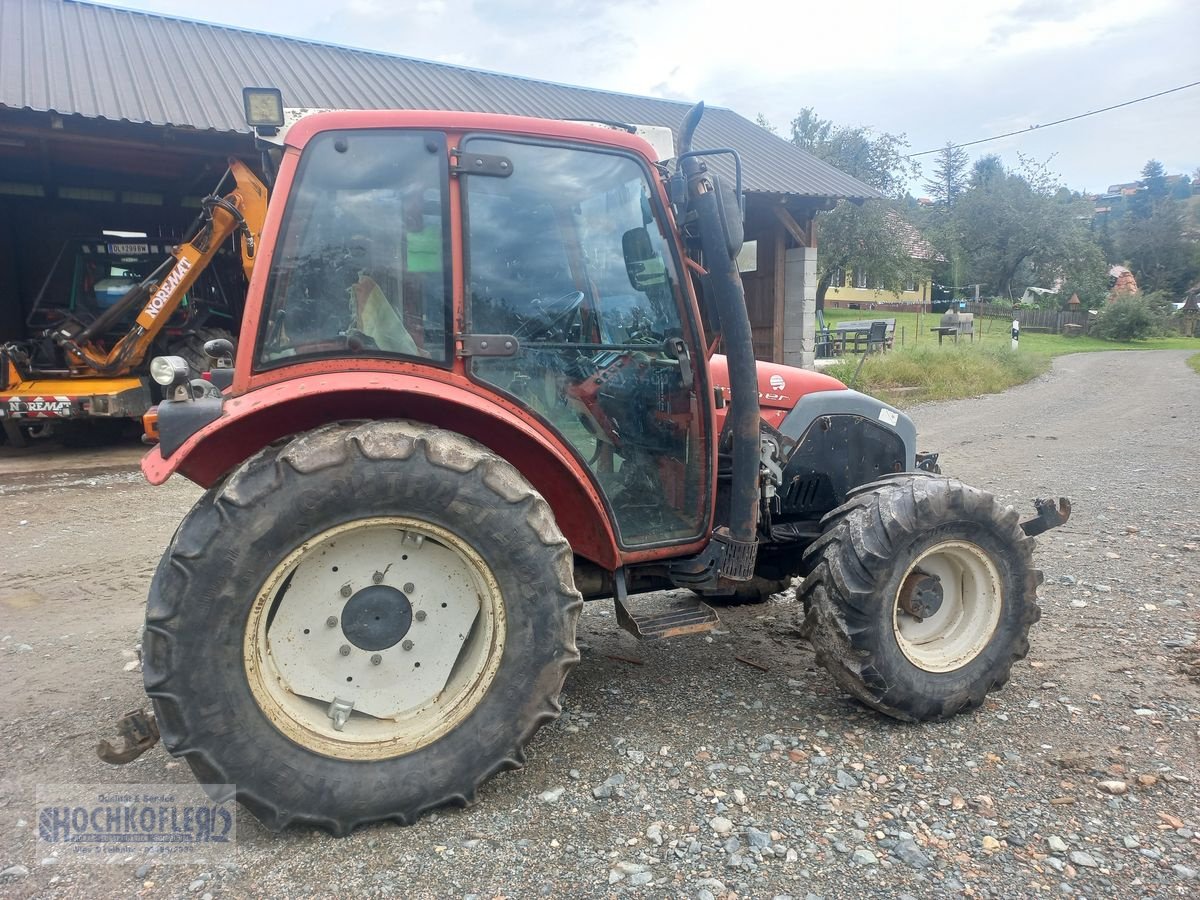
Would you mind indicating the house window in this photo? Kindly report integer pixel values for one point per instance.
(838, 278)
(747, 259)
(860, 279)
(910, 283)
(879, 285)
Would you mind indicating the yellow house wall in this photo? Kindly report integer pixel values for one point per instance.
(870, 295)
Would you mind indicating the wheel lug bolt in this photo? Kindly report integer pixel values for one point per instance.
(420, 615)
(331, 621)
(345, 590)
(376, 659)
(407, 645)
(377, 577)
(344, 650)
(409, 587)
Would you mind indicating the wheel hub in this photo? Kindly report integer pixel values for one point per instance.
(921, 595)
(377, 617)
(948, 606)
(378, 633)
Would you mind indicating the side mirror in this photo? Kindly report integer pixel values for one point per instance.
(644, 267)
(219, 352)
(729, 211)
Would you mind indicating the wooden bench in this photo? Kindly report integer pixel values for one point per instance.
(851, 337)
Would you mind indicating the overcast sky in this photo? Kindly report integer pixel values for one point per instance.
(935, 70)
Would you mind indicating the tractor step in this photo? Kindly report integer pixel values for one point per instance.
(678, 618)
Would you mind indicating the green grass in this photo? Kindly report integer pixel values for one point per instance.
(916, 374)
(995, 333)
(1194, 362)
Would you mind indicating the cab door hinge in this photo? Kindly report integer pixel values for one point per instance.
(464, 163)
(489, 345)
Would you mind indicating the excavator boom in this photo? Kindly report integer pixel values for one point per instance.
(110, 380)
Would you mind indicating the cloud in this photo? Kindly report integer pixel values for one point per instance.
(937, 70)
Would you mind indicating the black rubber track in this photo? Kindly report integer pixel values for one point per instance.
(855, 570)
(238, 532)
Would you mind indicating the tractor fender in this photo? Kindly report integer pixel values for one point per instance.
(250, 422)
(838, 440)
(847, 402)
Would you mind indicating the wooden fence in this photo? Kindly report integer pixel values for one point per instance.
(1048, 320)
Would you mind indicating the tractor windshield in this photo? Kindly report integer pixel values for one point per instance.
(566, 255)
(359, 267)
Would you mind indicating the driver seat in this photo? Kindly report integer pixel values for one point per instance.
(378, 320)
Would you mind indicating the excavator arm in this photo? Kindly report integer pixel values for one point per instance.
(243, 210)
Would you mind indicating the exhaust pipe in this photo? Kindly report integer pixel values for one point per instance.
(715, 217)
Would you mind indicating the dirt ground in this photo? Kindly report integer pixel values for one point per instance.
(1081, 778)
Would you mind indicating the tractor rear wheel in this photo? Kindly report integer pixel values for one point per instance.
(191, 348)
(920, 596)
(361, 624)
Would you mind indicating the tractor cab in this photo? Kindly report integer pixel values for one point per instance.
(534, 265)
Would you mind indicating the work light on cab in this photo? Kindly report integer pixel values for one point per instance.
(169, 370)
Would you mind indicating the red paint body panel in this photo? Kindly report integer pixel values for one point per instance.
(779, 387)
(250, 422)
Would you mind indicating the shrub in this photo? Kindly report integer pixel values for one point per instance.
(1128, 319)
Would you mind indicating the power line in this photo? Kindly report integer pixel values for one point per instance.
(1094, 112)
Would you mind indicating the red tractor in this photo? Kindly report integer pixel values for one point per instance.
(476, 387)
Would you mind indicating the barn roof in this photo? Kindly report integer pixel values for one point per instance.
(103, 62)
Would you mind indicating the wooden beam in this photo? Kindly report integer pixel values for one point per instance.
(793, 227)
(780, 293)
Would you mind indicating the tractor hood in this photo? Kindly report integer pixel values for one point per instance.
(779, 387)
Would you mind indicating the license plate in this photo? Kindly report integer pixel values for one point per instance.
(121, 249)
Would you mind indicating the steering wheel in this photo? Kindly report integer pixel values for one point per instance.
(551, 315)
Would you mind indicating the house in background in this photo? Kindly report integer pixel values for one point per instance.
(857, 287)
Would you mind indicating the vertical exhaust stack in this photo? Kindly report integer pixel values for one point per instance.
(718, 216)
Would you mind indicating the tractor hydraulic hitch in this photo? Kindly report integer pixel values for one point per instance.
(1050, 514)
(139, 732)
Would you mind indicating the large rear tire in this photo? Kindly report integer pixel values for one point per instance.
(290, 617)
(921, 595)
(191, 347)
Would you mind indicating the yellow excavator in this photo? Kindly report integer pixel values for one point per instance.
(78, 369)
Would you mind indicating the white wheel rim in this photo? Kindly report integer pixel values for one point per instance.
(311, 649)
(963, 625)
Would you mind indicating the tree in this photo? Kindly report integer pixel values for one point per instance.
(986, 169)
(949, 175)
(863, 235)
(1157, 250)
(761, 121)
(1154, 190)
(1017, 229)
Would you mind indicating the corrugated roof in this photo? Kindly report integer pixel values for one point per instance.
(103, 62)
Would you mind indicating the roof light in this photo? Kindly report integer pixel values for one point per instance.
(264, 107)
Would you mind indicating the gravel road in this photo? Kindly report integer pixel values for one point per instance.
(677, 769)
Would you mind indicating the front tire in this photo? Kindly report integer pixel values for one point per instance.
(921, 595)
(291, 615)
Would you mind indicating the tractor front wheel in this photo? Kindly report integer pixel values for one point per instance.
(359, 625)
(920, 596)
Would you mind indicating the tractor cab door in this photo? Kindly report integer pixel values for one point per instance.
(566, 255)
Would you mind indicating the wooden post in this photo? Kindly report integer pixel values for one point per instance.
(780, 289)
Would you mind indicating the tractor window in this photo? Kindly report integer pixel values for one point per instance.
(359, 268)
(566, 255)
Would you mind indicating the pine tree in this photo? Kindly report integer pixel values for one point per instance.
(949, 177)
